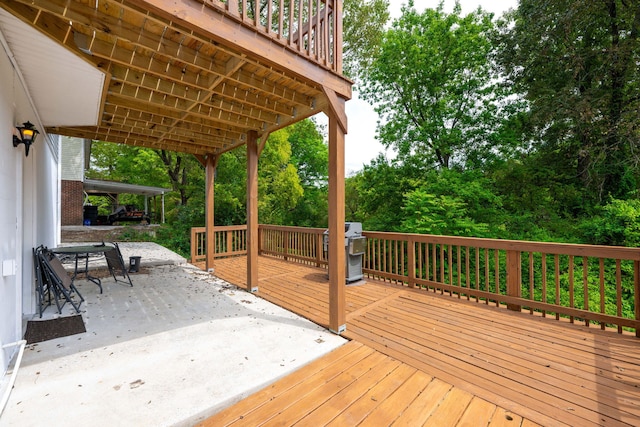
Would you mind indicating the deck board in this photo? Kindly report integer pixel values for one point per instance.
(432, 359)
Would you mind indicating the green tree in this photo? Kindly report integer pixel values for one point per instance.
(616, 223)
(363, 27)
(576, 63)
(380, 188)
(310, 157)
(231, 188)
(434, 86)
(279, 186)
(185, 173)
(427, 213)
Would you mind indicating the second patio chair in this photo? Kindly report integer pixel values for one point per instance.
(59, 280)
(116, 265)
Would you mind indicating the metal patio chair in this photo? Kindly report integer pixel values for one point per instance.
(58, 280)
(43, 287)
(116, 265)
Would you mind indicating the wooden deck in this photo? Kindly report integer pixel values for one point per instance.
(422, 358)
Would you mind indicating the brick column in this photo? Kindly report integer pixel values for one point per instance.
(71, 203)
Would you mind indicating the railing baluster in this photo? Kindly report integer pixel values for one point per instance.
(602, 296)
(556, 260)
(618, 293)
(300, 30)
(585, 285)
(467, 272)
(411, 260)
(477, 249)
(544, 282)
(486, 274)
(496, 266)
(269, 16)
(450, 266)
(571, 286)
(441, 279)
(459, 267)
(531, 281)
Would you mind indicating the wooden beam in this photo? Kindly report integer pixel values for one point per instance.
(211, 163)
(336, 108)
(337, 316)
(201, 159)
(262, 142)
(252, 211)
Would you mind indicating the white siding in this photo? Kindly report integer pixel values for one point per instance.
(29, 190)
(72, 158)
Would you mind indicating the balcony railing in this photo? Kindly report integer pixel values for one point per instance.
(574, 283)
(312, 28)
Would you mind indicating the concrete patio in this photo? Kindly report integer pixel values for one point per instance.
(173, 349)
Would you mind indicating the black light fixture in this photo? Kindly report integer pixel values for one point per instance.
(27, 137)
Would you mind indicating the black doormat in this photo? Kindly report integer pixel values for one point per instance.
(44, 330)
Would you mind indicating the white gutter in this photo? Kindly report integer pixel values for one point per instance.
(14, 373)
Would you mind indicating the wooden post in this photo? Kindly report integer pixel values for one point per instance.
(411, 261)
(337, 278)
(514, 278)
(210, 167)
(319, 248)
(252, 211)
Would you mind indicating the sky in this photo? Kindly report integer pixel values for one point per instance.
(361, 145)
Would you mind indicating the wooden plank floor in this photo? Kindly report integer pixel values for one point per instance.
(439, 360)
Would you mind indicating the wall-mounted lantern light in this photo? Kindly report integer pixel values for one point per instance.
(27, 137)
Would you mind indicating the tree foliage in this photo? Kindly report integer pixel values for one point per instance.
(185, 173)
(363, 22)
(576, 63)
(434, 86)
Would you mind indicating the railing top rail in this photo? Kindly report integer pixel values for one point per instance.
(310, 230)
(222, 228)
(599, 251)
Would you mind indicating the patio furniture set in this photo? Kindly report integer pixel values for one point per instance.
(55, 284)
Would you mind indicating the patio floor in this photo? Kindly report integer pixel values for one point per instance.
(173, 349)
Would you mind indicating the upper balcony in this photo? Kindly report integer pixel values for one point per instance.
(195, 76)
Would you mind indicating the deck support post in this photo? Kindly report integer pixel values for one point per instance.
(253, 239)
(211, 162)
(336, 249)
(514, 278)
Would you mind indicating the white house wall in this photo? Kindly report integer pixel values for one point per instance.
(72, 158)
(28, 209)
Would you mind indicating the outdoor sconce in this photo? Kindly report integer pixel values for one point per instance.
(27, 136)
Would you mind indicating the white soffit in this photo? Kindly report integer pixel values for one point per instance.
(66, 90)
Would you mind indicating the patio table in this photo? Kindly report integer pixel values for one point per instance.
(83, 251)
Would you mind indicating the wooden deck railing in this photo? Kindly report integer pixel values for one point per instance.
(590, 284)
(312, 28)
(229, 241)
(299, 244)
